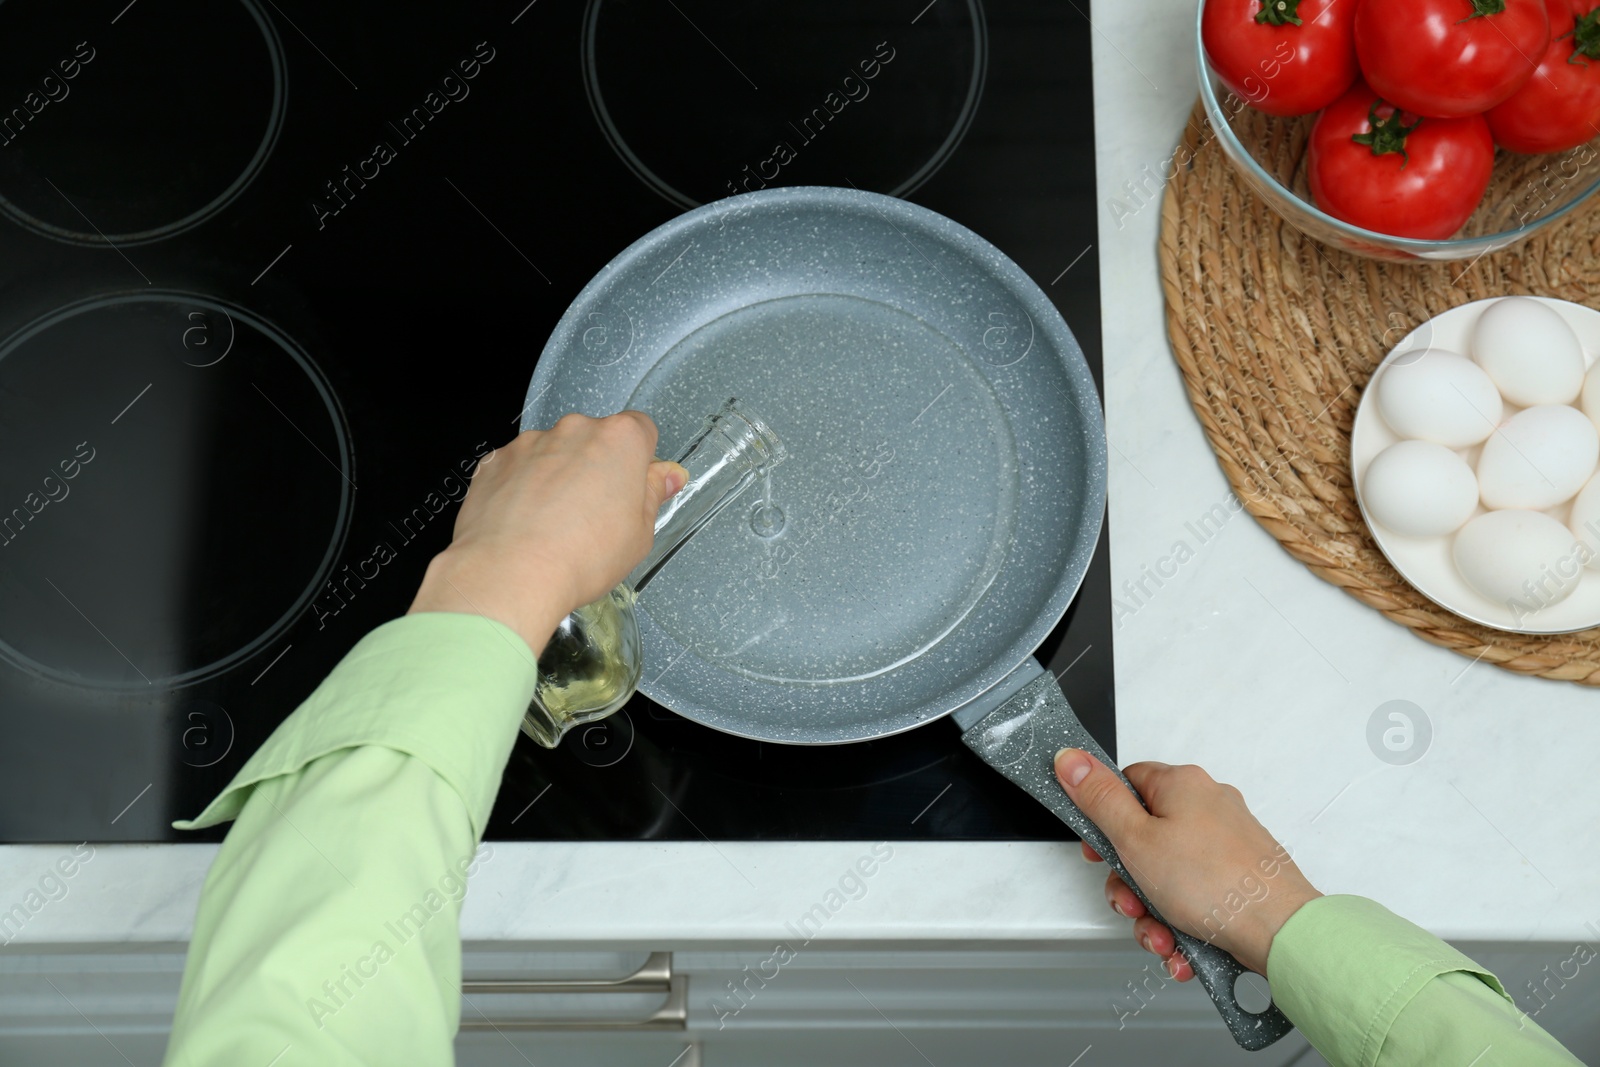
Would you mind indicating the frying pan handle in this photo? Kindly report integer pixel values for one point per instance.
(1020, 739)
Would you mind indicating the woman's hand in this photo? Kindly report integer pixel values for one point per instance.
(552, 521)
(1203, 860)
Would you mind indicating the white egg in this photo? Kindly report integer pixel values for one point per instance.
(1539, 458)
(1419, 489)
(1529, 351)
(1523, 559)
(1585, 519)
(1591, 393)
(1438, 396)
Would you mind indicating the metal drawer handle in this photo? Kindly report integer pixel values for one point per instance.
(653, 976)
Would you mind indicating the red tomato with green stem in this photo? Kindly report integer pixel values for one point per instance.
(1449, 58)
(1393, 172)
(1559, 108)
(1284, 57)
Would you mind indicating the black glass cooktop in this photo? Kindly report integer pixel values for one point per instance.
(272, 273)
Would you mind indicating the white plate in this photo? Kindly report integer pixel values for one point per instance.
(1425, 561)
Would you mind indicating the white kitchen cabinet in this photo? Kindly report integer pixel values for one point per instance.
(845, 1007)
(911, 1006)
(960, 1007)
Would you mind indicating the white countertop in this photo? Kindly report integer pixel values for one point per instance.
(1250, 666)
(1243, 662)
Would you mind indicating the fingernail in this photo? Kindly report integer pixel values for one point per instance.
(677, 478)
(1072, 765)
(1116, 906)
(1144, 940)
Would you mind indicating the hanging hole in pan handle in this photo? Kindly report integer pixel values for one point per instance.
(1019, 738)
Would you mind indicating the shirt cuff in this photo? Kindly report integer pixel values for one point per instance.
(1344, 967)
(449, 689)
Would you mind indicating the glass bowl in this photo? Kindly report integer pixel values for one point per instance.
(1526, 193)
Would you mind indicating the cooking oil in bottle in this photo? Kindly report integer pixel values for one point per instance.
(588, 669)
(592, 663)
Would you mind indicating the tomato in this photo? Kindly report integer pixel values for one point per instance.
(1559, 108)
(1394, 172)
(1449, 58)
(1285, 57)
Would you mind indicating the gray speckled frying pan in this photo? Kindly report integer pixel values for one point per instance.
(941, 500)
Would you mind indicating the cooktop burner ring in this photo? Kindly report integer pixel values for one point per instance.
(94, 236)
(198, 336)
(829, 92)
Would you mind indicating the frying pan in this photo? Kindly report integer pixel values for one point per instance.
(943, 495)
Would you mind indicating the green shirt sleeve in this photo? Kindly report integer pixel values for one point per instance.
(1369, 989)
(327, 928)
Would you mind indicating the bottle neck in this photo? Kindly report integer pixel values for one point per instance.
(732, 450)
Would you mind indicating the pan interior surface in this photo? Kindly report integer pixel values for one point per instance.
(887, 524)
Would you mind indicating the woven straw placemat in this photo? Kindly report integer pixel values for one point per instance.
(1277, 335)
